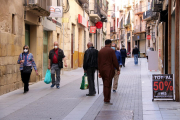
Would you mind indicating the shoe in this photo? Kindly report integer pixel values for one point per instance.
(114, 90)
(26, 91)
(52, 85)
(57, 87)
(90, 94)
(108, 103)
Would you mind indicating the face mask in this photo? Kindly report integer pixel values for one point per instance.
(113, 48)
(55, 47)
(25, 50)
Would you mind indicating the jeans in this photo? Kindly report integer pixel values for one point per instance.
(90, 74)
(123, 61)
(55, 69)
(135, 59)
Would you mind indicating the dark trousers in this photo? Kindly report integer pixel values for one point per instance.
(107, 84)
(123, 61)
(90, 75)
(25, 78)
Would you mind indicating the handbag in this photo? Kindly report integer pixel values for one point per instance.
(60, 63)
(48, 79)
(26, 69)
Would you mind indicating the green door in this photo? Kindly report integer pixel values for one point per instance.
(45, 52)
(27, 35)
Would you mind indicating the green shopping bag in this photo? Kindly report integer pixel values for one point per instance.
(84, 83)
(47, 78)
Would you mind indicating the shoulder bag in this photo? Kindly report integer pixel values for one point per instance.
(26, 69)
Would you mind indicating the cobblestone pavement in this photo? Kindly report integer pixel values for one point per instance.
(134, 95)
(128, 96)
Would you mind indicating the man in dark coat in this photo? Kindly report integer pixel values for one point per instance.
(107, 62)
(90, 64)
(136, 54)
(123, 55)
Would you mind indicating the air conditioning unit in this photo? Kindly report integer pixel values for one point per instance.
(33, 1)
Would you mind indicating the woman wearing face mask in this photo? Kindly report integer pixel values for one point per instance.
(26, 62)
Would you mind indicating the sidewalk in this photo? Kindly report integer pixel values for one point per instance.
(133, 99)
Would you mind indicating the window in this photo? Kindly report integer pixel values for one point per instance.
(58, 3)
(13, 23)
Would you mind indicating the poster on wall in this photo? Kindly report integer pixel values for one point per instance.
(163, 87)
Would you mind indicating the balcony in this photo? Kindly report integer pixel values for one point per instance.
(138, 11)
(38, 7)
(138, 29)
(112, 30)
(139, 37)
(103, 5)
(149, 15)
(94, 12)
(84, 1)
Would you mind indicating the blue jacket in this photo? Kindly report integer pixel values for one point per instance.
(119, 58)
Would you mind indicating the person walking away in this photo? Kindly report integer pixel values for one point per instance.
(107, 61)
(147, 51)
(123, 55)
(56, 56)
(90, 64)
(119, 59)
(136, 54)
(26, 61)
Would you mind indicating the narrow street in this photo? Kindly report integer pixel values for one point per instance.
(132, 101)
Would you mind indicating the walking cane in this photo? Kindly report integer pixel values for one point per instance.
(97, 82)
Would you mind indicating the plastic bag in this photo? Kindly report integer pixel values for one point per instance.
(84, 83)
(48, 79)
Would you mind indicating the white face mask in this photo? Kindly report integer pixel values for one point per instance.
(55, 47)
(25, 50)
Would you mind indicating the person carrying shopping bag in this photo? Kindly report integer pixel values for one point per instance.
(26, 62)
(56, 57)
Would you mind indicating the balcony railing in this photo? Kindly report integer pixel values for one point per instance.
(84, 1)
(38, 7)
(103, 7)
(148, 15)
(138, 11)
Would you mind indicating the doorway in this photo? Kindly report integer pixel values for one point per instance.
(45, 52)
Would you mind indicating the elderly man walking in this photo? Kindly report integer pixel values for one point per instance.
(119, 58)
(55, 63)
(107, 61)
(90, 65)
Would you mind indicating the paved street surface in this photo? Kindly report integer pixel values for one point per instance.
(133, 100)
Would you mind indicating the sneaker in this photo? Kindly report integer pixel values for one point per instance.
(114, 90)
(57, 87)
(52, 85)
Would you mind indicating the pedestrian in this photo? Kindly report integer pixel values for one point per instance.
(136, 54)
(123, 55)
(119, 58)
(90, 65)
(56, 57)
(26, 61)
(147, 51)
(107, 61)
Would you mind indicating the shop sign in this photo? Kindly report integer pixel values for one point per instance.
(99, 25)
(93, 29)
(56, 11)
(148, 37)
(54, 21)
(82, 21)
(163, 86)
